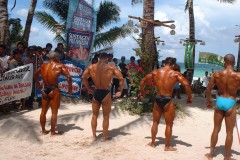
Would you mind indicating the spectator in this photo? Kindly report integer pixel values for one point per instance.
(176, 90)
(3, 58)
(15, 62)
(122, 65)
(60, 52)
(115, 81)
(205, 81)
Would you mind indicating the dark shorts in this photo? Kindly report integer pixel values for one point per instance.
(162, 100)
(100, 94)
(48, 89)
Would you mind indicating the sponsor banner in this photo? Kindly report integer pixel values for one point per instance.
(79, 44)
(16, 84)
(81, 26)
(210, 58)
(76, 71)
(188, 55)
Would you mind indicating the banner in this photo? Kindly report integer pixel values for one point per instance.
(81, 26)
(188, 55)
(16, 84)
(210, 58)
(76, 71)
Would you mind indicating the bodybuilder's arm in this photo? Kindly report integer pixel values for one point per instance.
(144, 82)
(208, 91)
(36, 77)
(186, 85)
(85, 76)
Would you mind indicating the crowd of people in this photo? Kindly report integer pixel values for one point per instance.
(22, 55)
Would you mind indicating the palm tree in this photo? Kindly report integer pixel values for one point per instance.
(148, 46)
(3, 22)
(60, 8)
(28, 24)
(189, 8)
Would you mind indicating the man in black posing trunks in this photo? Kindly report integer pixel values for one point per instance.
(102, 74)
(164, 79)
(51, 94)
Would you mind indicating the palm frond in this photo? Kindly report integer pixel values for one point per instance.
(227, 1)
(107, 38)
(60, 39)
(58, 7)
(136, 1)
(107, 13)
(186, 6)
(46, 20)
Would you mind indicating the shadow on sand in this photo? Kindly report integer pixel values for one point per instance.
(174, 141)
(221, 150)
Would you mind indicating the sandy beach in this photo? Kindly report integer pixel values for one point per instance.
(20, 136)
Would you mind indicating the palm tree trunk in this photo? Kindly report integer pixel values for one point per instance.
(29, 20)
(3, 22)
(148, 41)
(192, 32)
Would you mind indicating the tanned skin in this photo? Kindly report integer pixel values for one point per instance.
(50, 72)
(102, 74)
(228, 83)
(164, 80)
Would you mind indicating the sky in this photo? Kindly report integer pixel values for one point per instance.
(215, 23)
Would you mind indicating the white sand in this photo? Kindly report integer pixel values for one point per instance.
(20, 136)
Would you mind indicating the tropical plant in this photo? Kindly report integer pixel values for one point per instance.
(104, 19)
(15, 31)
(226, 1)
(189, 8)
(3, 22)
(29, 20)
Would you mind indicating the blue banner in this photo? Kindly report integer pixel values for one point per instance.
(75, 70)
(81, 26)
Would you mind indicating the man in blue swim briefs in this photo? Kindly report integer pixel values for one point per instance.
(164, 79)
(102, 74)
(228, 83)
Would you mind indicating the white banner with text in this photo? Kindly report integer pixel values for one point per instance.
(16, 84)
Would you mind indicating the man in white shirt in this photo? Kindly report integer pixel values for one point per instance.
(205, 81)
(3, 58)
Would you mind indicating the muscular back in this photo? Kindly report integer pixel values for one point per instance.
(50, 73)
(227, 81)
(165, 79)
(102, 74)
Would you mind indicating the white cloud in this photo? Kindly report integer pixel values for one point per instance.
(22, 13)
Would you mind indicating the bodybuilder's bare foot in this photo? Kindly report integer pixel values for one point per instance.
(44, 132)
(57, 133)
(170, 148)
(229, 158)
(152, 144)
(210, 154)
(94, 138)
(104, 139)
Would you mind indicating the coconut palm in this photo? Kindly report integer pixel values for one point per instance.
(29, 20)
(104, 18)
(189, 8)
(148, 46)
(3, 22)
